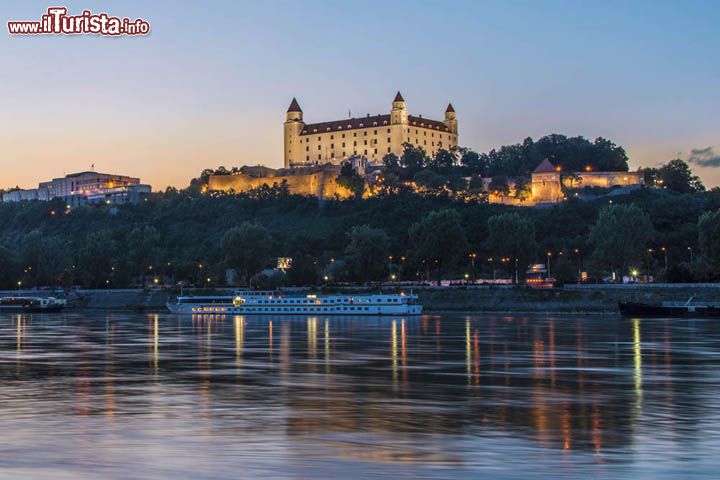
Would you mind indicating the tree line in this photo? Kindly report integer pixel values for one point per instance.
(185, 236)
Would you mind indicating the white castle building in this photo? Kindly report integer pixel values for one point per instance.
(372, 137)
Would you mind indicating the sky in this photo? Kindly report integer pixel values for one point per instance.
(210, 85)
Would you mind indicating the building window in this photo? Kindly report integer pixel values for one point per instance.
(307, 158)
(354, 134)
(343, 135)
(376, 150)
(319, 147)
(374, 132)
(355, 143)
(307, 149)
(388, 149)
(365, 133)
(332, 137)
(365, 142)
(332, 145)
(343, 145)
(319, 139)
(388, 139)
(319, 156)
(388, 130)
(365, 151)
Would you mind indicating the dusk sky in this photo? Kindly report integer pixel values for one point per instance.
(211, 84)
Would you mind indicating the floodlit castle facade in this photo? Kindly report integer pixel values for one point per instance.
(372, 137)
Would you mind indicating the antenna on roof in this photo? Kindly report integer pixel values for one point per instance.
(349, 113)
(92, 167)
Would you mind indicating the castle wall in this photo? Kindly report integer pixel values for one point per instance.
(319, 184)
(603, 179)
(546, 188)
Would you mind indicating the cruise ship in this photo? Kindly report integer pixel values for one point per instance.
(279, 303)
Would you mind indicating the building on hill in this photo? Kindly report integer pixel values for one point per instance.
(84, 187)
(372, 137)
(546, 186)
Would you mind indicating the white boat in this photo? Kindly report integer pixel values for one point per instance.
(279, 303)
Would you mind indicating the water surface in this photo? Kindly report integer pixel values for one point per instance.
(116, 396)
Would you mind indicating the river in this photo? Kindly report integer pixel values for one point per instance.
(90, 395)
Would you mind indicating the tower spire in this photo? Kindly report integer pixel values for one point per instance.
(399, 97)
(294, 106)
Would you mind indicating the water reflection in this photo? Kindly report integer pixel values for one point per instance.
(449, 396)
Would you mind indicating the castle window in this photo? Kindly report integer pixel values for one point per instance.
(355, 143)
(388, 149)
(354, 152)
(384, 122)
(374, 132)
(307, 158)
(332, 137)
(307, 140)
(354, 134)
(307, 149)
(388, 130)
(365, 133)
(343, 144)
(332, 145)
(343, 154)
(376, 150)
(432, 134)
(425, 134)
(365, 142)
(366, 152)
(319, 147)
(319, 156)
(388, 139)
(343, 135)
(374, 124)
(416, 131)
(327, 129)
(424, 142)
(319, 139)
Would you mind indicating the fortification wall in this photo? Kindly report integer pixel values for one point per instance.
(320, 183)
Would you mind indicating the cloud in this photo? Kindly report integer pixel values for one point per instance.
(704, 157)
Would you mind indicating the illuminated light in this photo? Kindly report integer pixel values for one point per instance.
(52, 212)
(588, 168)
(634, 272)
(156, 281)
(309, 296)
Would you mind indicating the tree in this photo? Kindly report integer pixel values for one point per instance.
(512, 236)
(499, 186)
(429, 180)
(303, 271)
(522, 189)
(709, 238)
(247, 248)
(413, 160)
(470, 160)
(366, 253)
(443, 162)
(439, 240)
(95, 257)
(350, 179)
(620, 236)
(9, 271)
(677, 176)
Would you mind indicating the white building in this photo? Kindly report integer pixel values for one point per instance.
(84, 187)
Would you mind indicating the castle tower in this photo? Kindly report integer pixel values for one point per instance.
(293, 126)
(546, 187)
(451, 119)
(399, 120)
(399, 112)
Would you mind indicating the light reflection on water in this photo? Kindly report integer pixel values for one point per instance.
(89, 395)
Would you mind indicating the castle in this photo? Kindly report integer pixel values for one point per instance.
(371, 137)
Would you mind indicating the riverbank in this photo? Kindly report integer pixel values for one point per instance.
(571, 299)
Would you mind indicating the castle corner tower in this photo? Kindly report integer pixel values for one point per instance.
(293, 127)
(451, 119)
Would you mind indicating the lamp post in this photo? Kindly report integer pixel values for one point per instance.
(649, 254)
(549, 254)
(664, 250)
(691, 255)
(473, 256)
(492, 262)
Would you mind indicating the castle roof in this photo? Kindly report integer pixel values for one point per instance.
(294, 106)
(398, 97)
(369, 122)
(450, 108)
(544, 167)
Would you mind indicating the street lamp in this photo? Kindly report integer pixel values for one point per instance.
(492, 262)
(577, 252)
(691, 255)
(664, 250)
(473, 256)
(549, 254)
